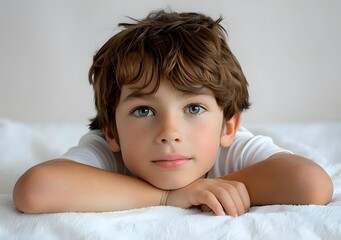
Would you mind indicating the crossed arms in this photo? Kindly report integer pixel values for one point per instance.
(65, 186)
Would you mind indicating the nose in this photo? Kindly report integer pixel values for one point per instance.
(169, 138)
(169, 131)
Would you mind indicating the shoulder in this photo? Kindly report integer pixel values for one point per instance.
(245, 150)
(93, 136)
(92, 150)
(253, 148)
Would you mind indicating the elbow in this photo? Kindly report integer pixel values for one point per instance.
(28, 192)
(316, 187)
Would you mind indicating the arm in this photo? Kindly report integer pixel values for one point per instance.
(285, 179)
(66, 186)
(62, 185)
(281, 179)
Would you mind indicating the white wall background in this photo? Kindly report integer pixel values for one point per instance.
(290, 52)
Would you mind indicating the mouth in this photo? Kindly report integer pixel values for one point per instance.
(172, 161)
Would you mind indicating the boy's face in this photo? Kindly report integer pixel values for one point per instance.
(170, 138)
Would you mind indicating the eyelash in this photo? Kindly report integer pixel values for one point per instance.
(202, 109)
(135, 111)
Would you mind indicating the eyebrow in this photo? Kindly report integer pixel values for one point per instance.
(137, 94)
(201, 91)
(184, 94)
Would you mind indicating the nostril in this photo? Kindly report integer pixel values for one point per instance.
(169, 139)
(164, 140)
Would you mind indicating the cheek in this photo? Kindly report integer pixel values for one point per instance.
(133, 141)
(207, 138)
(210, 128)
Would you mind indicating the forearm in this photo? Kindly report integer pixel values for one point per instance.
(285, 179)
(66, 186)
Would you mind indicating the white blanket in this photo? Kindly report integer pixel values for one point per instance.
(25, 145)
(267, 222)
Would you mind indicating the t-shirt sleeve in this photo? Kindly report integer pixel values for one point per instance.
(93, 150)
(246, 150)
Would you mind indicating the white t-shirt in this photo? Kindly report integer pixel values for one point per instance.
(245, 150)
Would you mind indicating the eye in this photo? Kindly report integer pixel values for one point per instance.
(195, 109)
(142, 112)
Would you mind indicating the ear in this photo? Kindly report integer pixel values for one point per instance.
(229, 130)
(113, 145)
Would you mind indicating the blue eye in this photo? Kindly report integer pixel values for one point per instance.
(195, 109)
(142, 112)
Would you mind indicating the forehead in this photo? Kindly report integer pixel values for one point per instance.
(146, 70)
(138, 90)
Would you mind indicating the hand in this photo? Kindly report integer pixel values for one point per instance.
(219, 195)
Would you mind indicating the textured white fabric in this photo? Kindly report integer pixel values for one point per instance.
(265, 222)
(245, 150)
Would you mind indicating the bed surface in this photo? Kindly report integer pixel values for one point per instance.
(266, 222)
(24, 145)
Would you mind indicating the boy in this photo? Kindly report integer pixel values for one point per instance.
(169, 94)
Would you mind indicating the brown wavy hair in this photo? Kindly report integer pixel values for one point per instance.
(188, 49)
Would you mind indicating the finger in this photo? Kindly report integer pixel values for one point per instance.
(209, 199)
(243, 193)
(237, 200)
(223, 195)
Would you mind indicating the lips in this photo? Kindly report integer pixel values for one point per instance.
(172, 161)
